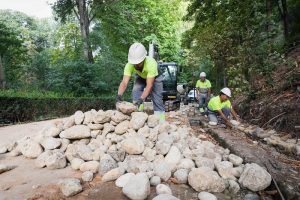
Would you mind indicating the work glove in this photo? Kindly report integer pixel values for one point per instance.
(140, 105)
(118, 98)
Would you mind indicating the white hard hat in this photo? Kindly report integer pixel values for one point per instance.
(137, 53)
(202, 74)
(226, 91)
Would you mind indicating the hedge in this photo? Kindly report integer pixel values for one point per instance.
(23, 109)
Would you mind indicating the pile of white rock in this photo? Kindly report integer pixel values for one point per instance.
(137, 152)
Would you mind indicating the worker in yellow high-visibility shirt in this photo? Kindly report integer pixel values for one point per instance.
(148, 80)
(203, 87)
(220, 106)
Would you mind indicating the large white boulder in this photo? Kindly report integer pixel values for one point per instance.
(255, 178)
(30, 148)
(92, 166)
(163, 189)
(225, 169)
(149, 154)
(133, 145)
(162, 147)
(50, 143)
(206, 196)
(173, 157)
(79, 116)
(87, 176)
(138, 120)
(52, 131)
(205, 179)
(88, 117)
(153, 120)
(236, 160)
(162, 170)
(70, 186)
(108, 128)
(76, 162)
(56, 159)
(205, 162)
(113, 174)
(84, 152)
(123, 180)
(122, 127)
(155, 180)
(76, 132)
(165, 197)
(138, 187)
(118, 117)
(186, 163)
(101, 117)
(107, 163)
(181, 175)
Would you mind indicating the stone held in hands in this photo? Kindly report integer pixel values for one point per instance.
(126, 107)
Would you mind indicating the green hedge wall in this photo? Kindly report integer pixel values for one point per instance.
(20, 109)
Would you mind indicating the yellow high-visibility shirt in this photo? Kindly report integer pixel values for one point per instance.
(203, 85)
(149, 69)
(215, 104)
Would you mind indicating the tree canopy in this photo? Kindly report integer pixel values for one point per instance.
(83, 51)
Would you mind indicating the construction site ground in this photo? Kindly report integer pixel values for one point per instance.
(29, 182)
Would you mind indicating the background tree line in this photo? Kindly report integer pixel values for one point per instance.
(83, 51)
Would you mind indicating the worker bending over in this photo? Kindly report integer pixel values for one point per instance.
(220, 106)
(148, 81)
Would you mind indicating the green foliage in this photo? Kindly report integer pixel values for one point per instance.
(28, 37)
(232, 41)
(241, 39)
(8, 39)
(79, 77)
(20, 109)
(30, 93)
(67, 42)
(294, 18)
(125, 22)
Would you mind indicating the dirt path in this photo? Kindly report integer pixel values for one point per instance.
(20, 183)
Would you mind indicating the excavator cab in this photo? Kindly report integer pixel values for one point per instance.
(169, 71)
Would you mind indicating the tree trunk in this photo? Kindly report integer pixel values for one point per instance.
(285, 19)
(84, 28)
(268, 25)
(2, 75)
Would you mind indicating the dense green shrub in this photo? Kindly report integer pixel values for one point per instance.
(20, 109)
